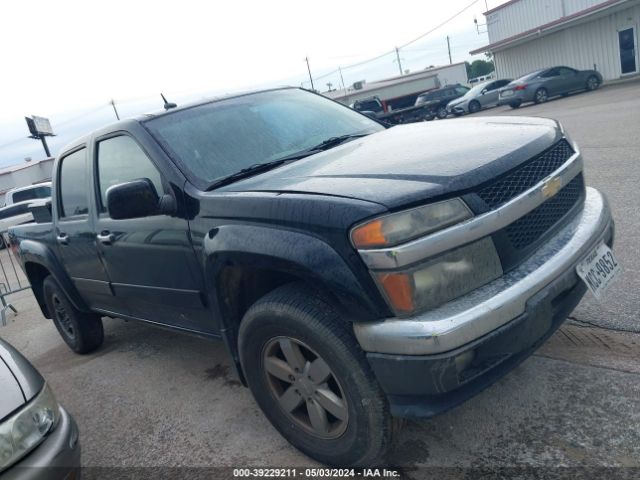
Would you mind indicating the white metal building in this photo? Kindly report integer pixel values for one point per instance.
(399, 87)
(23, 174)
(527, 35)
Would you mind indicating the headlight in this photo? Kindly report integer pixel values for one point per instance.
(22, 432)
(442, 278)
(401, 227)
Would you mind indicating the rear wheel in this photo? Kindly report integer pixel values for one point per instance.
(515, 104)
(593, 83)
(442, 113)
(474, 106)
(541, 95)
(312, 380)
(81, 331)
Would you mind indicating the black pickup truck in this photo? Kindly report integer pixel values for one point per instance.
(355, 273)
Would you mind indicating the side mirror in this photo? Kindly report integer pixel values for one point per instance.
(484, 91)
(134, 199)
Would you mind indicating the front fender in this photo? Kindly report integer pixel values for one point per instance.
(36, 252)
(297, 254)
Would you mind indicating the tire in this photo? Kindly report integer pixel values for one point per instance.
(515, 105)
(81, 331)
(541, 96)
(474, 106)
(299, 321)
(442, 113)
(592, 83)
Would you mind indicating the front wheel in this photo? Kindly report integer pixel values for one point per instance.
(593, 83)
(312, 380)
(81, 331)
(515, 105)
(474, 106)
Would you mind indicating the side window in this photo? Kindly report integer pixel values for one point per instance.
(566, 71)
(120, 159)
(73, 184)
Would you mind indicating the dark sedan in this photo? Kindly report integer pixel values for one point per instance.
(541, 85)
(38, 438)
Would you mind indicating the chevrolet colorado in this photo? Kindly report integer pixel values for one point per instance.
(355, 273)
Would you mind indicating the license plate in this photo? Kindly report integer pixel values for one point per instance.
(506, 93)
(599, 270)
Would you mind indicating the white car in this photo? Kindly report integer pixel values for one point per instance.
(17, 201)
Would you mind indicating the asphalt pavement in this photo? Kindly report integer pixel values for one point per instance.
(153, 398)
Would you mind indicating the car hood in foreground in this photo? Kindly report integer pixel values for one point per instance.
(413, 163)
(19, 380)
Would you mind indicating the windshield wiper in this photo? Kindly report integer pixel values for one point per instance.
(322, 146)
(248, 172)
(263, 167)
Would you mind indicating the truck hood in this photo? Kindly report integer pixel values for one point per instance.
(413, 163)
(19, 380)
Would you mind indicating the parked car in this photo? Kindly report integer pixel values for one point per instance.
(38, 438)
(355, 273)
(18, 202)
(30, 192)
(540, 86)
(483, 95)
(436, 100)
(374, 108)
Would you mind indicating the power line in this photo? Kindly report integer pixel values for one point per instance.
(440, 24)
(378, 57)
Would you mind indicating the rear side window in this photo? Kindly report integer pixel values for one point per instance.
(120, 160)
(73, 184)
(31, 194)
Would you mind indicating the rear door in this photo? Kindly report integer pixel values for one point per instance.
(490, 98)
(150, 261)
(74, 232)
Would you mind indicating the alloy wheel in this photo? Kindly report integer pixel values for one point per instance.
(592, 83)
(63, 317)
(305, 387)
(541, 96)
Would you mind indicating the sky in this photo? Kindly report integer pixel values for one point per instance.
(66, 60)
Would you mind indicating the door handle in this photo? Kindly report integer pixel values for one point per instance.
(63, 238)
(106, 237)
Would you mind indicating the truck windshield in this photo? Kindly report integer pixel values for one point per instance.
(217, 139)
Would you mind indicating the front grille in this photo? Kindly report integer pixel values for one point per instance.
(525, 177)
(528, 229)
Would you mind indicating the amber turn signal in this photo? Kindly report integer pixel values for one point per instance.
(369, 235)
(399, 290)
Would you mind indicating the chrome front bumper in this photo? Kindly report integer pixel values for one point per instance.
(495, 304)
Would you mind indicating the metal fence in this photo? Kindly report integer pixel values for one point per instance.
(12, 278)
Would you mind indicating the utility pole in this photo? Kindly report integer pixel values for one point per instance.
(113, 104)
(398, 58)
(342, 80)
(449, 48)
(309, 69)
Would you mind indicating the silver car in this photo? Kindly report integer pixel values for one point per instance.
(483, 95)
(539, 86)
(38, 438)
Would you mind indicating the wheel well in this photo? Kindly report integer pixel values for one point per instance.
(36, 274)
(241, 287)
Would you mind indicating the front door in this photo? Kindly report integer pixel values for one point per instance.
(150, 261)
(628, 47)
(74, 233)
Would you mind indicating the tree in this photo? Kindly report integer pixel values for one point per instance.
(479, 68)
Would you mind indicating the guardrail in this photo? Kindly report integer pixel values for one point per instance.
(12, 279)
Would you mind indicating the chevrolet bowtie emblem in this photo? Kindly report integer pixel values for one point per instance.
(551, 187)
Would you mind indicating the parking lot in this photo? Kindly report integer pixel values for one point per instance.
(150, 397)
